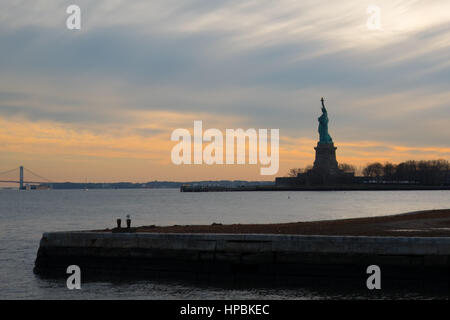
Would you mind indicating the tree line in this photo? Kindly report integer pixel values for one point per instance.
(424, 172)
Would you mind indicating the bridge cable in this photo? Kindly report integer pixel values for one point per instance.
(41, 177)
(8, 171)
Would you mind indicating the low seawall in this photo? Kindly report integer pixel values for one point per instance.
(336, 187)
(256, 256)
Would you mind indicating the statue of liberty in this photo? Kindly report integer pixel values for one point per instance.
(323, 126)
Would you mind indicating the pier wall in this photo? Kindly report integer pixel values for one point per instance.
(244, 255)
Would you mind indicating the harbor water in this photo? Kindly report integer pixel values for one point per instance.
(25, 215)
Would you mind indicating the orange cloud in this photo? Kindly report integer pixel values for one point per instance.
(62, 152)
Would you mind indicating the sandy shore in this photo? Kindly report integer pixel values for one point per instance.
(432, 223)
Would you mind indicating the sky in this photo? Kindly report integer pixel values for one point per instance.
(100, 103)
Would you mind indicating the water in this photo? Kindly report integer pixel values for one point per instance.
(25, 215)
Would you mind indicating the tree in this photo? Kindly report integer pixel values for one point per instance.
(432, 172)
(373, 170)
(407, 171)
(389, 171)
(294, 172)
(347, 168)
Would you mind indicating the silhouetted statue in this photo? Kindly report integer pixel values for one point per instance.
(323, 126)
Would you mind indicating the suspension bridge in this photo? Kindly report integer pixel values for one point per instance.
(9, 176)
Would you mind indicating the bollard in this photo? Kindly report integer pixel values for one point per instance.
(119, 222)
(128, 221)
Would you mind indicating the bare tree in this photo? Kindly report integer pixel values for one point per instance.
(294, 172)
(373, 170)
(347, 168)
(389, 171)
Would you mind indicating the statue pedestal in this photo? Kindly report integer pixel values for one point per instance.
(326, 158)
(325, 169)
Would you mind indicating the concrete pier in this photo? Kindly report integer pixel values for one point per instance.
(245, 255)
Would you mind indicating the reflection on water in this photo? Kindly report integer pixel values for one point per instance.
(25, 215)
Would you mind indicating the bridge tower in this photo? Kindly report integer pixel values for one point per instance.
(21, 178)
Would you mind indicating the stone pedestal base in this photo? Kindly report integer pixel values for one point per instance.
(326, 159)
(325, 169)
(324, 172)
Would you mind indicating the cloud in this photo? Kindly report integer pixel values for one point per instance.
(140, 68)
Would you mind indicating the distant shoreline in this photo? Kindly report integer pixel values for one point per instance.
(154, 184)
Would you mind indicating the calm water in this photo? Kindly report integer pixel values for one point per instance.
(25, 215)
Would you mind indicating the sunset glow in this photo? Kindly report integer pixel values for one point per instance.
(100, 104)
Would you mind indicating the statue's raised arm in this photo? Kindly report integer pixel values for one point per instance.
(324, 110)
